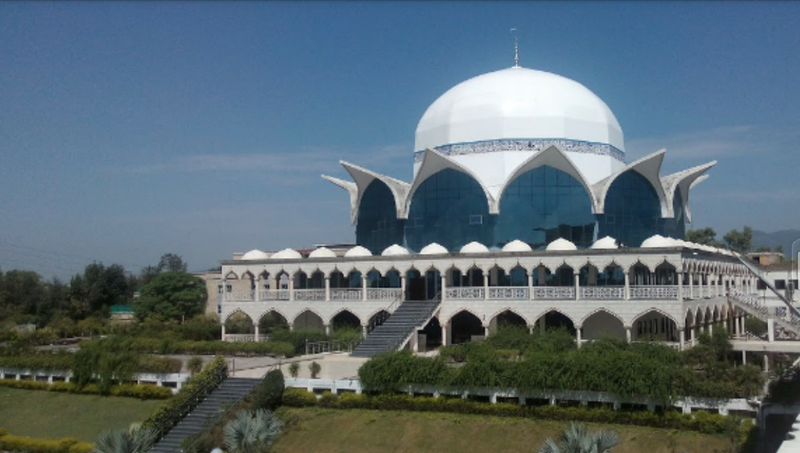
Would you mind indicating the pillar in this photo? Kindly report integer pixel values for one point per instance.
(364, 287)
(708, 285)
(225, 290)
(692, 334)
(364, 331)
(444, 285)
(691, 285)
(255, 326)
(327, 288)
(291, 288)
(770, 329)
(530, 285)
(577, 278)
(680, 339)
(531, 328)
(680, 286)
(486, 331)
(628, 334)
(223, 331)
(291, 326)
(486, 285)
(444, 336)
(744, 357)
(735, 324)
(578, 335)
(627, 286)
(766, 362)
(710, 327)
(327, 329)
(402, 287)
(257, 295)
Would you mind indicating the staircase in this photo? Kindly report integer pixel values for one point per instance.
(390, 335)
(230, 391)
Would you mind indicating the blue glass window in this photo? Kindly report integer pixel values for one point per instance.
(542, 205)
(445, 209)
(632, 210)
(378, 226)
(676, 227)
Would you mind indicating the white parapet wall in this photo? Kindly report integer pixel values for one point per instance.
(685, 405)
(173, 380)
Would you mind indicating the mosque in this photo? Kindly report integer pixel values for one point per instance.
(522, 210)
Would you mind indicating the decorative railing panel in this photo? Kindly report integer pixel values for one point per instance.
(282, 294)
(603, 292)
(309, 294)
(240, 296)
(384, 293)
(554, 292)
(346, 294)
(654, 292)
(465, 293)
(508, 293)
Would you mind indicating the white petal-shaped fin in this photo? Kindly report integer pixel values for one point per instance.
(648, 166)
(351, 189)
(683, 180)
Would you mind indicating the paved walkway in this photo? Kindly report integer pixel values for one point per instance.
(333, 366)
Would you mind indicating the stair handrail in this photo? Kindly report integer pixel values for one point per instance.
(795, 313)
(426, 320)
(177, 414)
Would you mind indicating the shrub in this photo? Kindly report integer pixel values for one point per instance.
(143, 391)
(81, 447)
(329, 400)
(269, 392)
(299, 398)
(294, 369)
(3, 432)
(195, 364)
(30, 445)
(314, 368)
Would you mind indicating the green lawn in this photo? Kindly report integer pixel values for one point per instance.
(51, 415)
(361, 431)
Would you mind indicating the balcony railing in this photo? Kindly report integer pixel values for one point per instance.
(654, 292)
(384, 293)
(346, 294)
(602, 292)
(508, 292)
(309, 294)
(465, 292)
(554, 292)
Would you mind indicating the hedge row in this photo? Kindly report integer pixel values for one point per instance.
(30, 445)
(64, 361)
(170, 346)
(141, 391)
(202, 383)
(701, 421)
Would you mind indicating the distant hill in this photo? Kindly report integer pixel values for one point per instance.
(783, 238)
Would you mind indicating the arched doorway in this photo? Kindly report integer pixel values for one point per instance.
(464, 326)
(308, 320)
(346, 320)
(602, 324)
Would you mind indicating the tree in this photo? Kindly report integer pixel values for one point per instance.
(195, 365)
(251, 431)
(134, 440)
(739, 241)
(171, 262)
(705, 236)
(314, 368)
(268, 394)
(173, 295)
(576, 438)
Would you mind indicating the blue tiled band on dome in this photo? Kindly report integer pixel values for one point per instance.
(491, 146)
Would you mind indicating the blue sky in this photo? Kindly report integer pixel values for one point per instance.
(128, 130)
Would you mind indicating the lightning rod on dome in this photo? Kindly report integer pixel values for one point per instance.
(516, 47)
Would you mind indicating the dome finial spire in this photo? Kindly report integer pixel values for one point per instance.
(516, 47)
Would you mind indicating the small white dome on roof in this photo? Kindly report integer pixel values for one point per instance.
(474, 247)
(656, 241)
(606, 243)
(433, 249)
(357, 251)
(255, 254)
(287, 254)
(322, 252)
(561, 244)
(517, 246)
(394, 250)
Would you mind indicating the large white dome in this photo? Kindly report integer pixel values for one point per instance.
(518, 103)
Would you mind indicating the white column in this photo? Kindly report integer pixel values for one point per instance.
(691, 285)
(225, 290)
(577, 278)
(486, 331)
(364, 331)
(578, 335)
(766, 362)
(363, 287)
(444, 336)
(771, 329)
(291, 288)
(223, 332)
(692, 334)
(444, 286)
(744, 357)
(530, 285)
(628, 334)
(327, 289)
(256, 329)
(257, 295)
(402, 287)
(627, 286)
(327, 329)
(680, 338)
(486, 286)
(680, 286)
